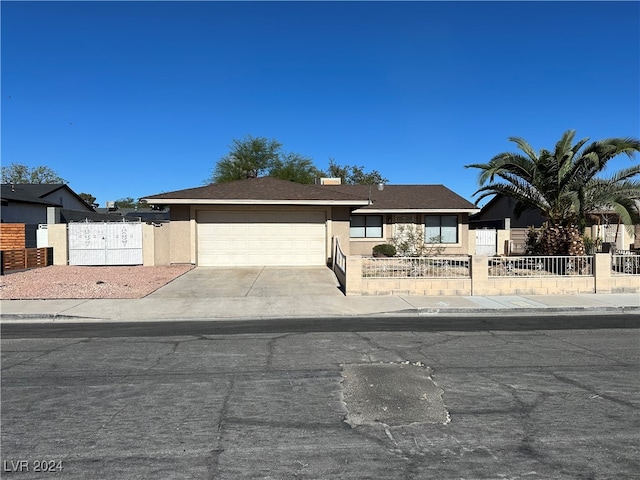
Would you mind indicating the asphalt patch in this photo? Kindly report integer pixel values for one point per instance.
(393, 394)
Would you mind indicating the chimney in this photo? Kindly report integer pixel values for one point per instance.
(328, 181)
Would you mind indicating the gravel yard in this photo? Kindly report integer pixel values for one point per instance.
(87, 282)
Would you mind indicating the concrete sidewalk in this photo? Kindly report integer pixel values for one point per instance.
(224, 308)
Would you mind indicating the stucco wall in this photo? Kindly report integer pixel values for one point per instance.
(57, 238)
(339, 228)
(180, 236)
(67, 200)
(24, 213)
(504, 207)
(364, 246)
(156, 244)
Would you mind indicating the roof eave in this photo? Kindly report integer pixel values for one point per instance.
(417, 210)
(192, 201)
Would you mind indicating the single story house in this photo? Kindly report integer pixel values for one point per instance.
(267, 221)
(499, 213)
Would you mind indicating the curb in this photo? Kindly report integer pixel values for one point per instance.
(419, 312)
(523, 310)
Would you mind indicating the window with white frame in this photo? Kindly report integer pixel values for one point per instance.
(441, 229)
(365, 226)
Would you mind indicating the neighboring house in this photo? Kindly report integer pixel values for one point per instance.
(137, 214)
(499, 213)
(28, 203)
(500, 208)
(34, 204)
(267, 221)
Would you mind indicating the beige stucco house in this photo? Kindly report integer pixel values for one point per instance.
(267, 221)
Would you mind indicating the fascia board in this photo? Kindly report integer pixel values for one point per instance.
(417, 210)
(187, 201)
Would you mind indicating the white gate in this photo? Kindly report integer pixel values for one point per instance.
(486, 242)
(42, 236)
(115, 243)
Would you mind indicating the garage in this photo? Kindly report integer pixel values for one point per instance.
(268, 237)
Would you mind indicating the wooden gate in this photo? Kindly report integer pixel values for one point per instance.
(113, 243)
(486, 242)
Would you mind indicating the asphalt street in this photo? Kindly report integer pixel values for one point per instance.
(523, 397)
(364, 323)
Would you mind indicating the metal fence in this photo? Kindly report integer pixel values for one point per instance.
(541, 266)
(340, 258)
(625, 264)
(423, 267)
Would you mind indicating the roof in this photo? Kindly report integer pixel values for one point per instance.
(143, 214)
(23, 193)
(33, 193)
(408, 198)
(367, 198)
(263, 190)
(68, 216)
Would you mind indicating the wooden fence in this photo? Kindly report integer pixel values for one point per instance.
(12, 236)
(25, 258)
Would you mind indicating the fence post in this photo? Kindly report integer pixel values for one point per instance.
(1, 262)
(353, 275)
(602, 272)
(479, 270)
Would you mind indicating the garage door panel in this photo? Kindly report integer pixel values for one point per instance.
(261, 238)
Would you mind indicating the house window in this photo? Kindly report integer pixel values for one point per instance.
(441, 229)
(366, 226)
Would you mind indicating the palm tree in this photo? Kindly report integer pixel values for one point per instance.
(565, 185)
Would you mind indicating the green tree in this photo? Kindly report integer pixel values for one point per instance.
(295, 167)
(130, 202)
(258, 156)
(565, 185)
(354, 175)
(248, 157)
(88, 198)
(19, 173)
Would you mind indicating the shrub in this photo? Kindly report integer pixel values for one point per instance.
(385, 249)
(409, 241)
(532, 242)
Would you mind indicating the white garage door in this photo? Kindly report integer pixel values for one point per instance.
(261, 238)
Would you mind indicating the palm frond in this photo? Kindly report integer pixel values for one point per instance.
(565, 184)
(525, 147)
(506, 161)
(564, 144)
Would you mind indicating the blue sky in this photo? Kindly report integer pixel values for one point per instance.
(127, 99)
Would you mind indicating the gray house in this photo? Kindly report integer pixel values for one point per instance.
(33, 204)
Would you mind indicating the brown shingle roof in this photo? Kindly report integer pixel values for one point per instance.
(268, 189)
(263, 188)
(416, 197)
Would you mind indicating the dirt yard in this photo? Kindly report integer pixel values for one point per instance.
(56, 282)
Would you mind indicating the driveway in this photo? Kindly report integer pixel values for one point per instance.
(212, 282)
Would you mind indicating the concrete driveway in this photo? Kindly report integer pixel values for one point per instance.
(212, 282)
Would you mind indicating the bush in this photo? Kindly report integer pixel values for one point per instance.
(384, 250)
(532, 242)
(409, 242)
